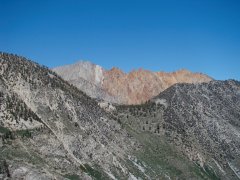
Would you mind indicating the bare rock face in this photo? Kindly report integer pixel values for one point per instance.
(135, 87)
(88, 78)
(84, 69)
(141, 85)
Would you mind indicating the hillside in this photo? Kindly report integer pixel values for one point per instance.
(67, 133)
(201, 120)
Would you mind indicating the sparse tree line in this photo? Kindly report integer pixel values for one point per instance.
(18, 109)
(7, 135)
(143, 110)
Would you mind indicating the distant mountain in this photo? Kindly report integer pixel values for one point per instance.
(88, 78)
(135, 87)
(49, 129)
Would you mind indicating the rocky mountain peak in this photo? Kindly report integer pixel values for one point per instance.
(130, 88)
(115, 72)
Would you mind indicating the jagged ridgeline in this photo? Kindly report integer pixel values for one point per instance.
(51, 130)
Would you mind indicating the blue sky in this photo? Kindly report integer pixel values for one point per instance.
(162, 35)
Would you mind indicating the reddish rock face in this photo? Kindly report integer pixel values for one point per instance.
(135, 87)
(141, 85)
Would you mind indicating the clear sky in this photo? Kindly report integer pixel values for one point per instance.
(162, 35)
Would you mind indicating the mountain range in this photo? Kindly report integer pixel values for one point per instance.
(114, 85)
(61, 124)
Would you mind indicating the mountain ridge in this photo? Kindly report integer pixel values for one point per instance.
(188, 131)
(73, 126)
(134, 87)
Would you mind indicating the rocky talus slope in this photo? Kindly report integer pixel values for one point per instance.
(135, 87)
(49, 129)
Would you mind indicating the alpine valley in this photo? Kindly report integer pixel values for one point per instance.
(84, 122)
